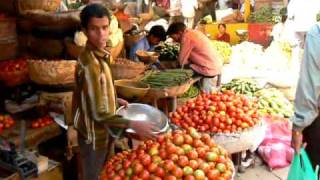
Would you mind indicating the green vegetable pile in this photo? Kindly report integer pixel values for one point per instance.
(75, 5)
(272, 101)
(191, 93)
(168, 52)
(263, 15)
(167, 78)
(242, 86)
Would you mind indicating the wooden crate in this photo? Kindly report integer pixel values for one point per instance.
(54, 172)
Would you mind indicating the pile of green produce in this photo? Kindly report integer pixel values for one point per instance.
(263, 15)
(168, 51)
(167, 78)
(242, 86)
(206, 20)
(191, 93)
(272, 101)
(75, 5)
(224, 49)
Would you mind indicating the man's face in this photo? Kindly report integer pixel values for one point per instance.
(154, 40)
(176, 37)
(97, 32)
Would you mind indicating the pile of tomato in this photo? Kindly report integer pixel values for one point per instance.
(218, 112)
(182, 154)
(42, 122)
(14, 72)
(6, 122)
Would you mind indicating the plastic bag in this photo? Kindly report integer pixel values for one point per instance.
(301, 168)
(275, 149)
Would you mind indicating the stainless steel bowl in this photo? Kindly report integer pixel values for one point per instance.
(144, 112)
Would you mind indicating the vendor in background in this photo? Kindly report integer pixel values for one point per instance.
(238, 14)
(196, 50)
(155, 36)
(94, 101)
(222, 34)
(306, 119)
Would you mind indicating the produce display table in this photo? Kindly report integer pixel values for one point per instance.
(33, 137)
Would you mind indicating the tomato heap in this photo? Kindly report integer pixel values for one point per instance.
(180, 154)
(13, 65)
(42, 122)
(6, 122)
(218, 112)
(14, 72)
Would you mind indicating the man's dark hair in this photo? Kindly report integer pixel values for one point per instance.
(175, 28)
(159, 32)
(223, 25)
(91, 11)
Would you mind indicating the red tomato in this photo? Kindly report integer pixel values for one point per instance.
(170, 177)
(169, 165)
(192, 155)
(189, 177)
(137, 168)
(213, 174)
(193, 164)
(178, 172)
(183, 161)
(146, 160)
(160, 172)
(145, 175)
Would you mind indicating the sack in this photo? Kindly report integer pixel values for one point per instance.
(275, 149)
(301, 168)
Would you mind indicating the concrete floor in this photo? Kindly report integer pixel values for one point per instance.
(262, 172)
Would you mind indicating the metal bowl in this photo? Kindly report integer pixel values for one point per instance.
(144, 112)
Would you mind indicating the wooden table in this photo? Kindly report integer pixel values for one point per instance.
(54, 172)
(33, 137)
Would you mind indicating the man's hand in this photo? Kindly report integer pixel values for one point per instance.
(144, 129)
(72, 136)
(296, 141)
(122, 102)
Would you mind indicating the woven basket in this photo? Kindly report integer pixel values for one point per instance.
(8, 6)
(7, 27)
(147, 57)
(46, 48)
(130, 89)
(127, 71)
(73, 51)
(52, 72)
(54, 21)
(130, 40)
(9, 48)
(169, 64)
(171, 91)
(116, 51)
(46, 5)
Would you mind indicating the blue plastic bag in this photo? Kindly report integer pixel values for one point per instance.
(301, 168)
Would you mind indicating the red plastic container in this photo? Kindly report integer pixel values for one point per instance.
(260, 33)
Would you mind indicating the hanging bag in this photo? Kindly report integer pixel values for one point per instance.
(301, 168)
